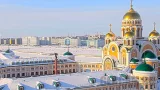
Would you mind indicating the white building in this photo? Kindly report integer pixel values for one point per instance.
(95, 43)
(30, 41)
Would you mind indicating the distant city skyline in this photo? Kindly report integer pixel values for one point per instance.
(74, 17)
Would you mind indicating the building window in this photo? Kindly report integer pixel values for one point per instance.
(154, 66)
(32, 68)
(70, 65)
(74, 70)
(8, 75)
(23, 74)
(45, 72)
(36, 73)
(13, 75)
(41, 68)
(113, 49)
(62, 72)
(146, 87)
(150, 86)
(41, 73)
(66, 65)
(32, 73)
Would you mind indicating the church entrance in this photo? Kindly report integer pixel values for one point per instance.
(108, 64)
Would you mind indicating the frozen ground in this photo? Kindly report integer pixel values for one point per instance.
(81, 54)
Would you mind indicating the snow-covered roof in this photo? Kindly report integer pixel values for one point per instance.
(85, 59)
(32, 61)
(76, 80)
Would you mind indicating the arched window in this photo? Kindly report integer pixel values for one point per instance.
(154, 66)
(128, 42)
(133, 42)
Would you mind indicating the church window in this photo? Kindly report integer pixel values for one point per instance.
(128, 42)
(154, 66)
(113, 49)
(151, 87)
(146, 86)
(133, 42)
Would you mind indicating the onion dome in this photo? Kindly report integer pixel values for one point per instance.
(8, 51)
(144, 67)
(129, 34)
(110, 34)
(67, 53)
(149, 54)
(131, 14)
(154, 33)
(134, 60)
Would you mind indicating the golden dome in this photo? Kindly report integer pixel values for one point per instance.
(131, 14)
(129, 34)
(109, 35)
(154, 33)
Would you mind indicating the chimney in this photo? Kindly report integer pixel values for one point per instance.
(55, 63)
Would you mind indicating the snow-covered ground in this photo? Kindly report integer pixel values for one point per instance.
(81, 54)
(158, 85)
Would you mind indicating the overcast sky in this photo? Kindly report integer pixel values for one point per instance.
(74, 17)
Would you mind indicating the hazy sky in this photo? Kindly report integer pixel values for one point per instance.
(74, 17)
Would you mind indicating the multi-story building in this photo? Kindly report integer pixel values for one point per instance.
(30, 41)
(11, 41)
(72, 41)
(95, 43)
(45, 40)
(104, 80)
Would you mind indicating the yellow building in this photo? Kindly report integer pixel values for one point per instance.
(131, 48)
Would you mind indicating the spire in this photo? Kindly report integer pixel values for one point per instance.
(131, 3)
(154, 26)
(68, 48)
(110, 25)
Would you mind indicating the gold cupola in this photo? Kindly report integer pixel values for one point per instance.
(154, 33)
(129, 34)
(131, 14)
(110, 34)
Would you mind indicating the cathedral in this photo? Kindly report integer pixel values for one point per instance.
(132, 49)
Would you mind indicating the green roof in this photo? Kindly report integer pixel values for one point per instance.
(134, 60)
(8, 51)
(148, 54)
(144, 67)
(67, 53)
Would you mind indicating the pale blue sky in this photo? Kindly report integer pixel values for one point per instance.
(75, 17)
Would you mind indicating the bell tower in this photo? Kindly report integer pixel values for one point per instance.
(132, 21)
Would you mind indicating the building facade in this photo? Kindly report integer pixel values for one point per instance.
(30, 41)
(131, 48)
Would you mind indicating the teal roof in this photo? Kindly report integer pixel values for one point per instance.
(144, 67)
(7, 51)
(67, 53)
(148, 54)
(134, 60)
